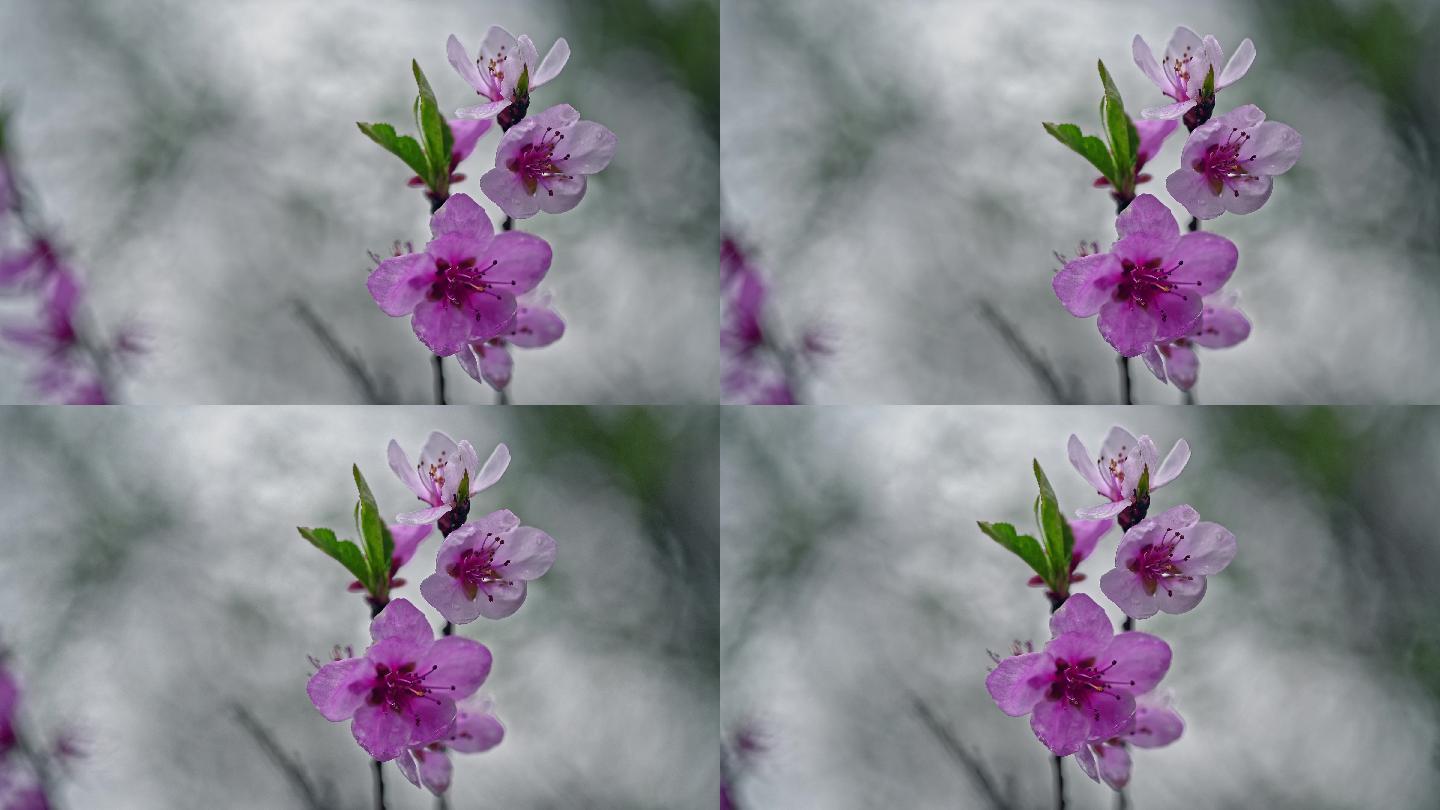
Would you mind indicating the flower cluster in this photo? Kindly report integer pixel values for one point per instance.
(74, 365)
(412, 697)
(471, 293)
(760, 368)
(1157, 292)
(1091, 692)
(26, 772)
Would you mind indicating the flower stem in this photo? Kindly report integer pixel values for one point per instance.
(502, 397)
(1124, 364)
(1194, 224)
(379, 784)
(1059, 783)
(437, 366)
(508, 224)
(448, 629)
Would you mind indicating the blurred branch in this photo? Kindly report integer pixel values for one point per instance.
(375, 391)
(307, 791)
(967, 761)
(1060, 391)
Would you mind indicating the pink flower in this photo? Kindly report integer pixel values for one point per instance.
(1155, 725)
(536, 325)
(476, 729)
(436, 479)
(483, 567)
(1188, 59)
(407, 542)
(1087, 536)
(1116, 473)
(401, 693)
(1082, 686)
(1148, 288)
(27, 267)
(1162, 563)
(496, 73)
(1229, 164)
(1222, 325)
(1152, 138)
(463, 287)
(9, 697)
(542, 162)
(466, 132)
(54, 332)
(745, 292)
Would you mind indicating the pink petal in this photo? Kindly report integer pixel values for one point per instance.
(1019, 682)
(496, 365)
(1222, 327)
(1060, 727)
(1176, 596)
(430, 717)
(428, 515)
(1238, 65)
(1154, 362)
(381, 731)
(465, 66)
(407, 541)
(484, 111)
(536, 327)
(435, 770)
(398, 284)
(1145, 60)
(1178, 518)
(462, 215)
(1168, 111)
(495, 467)
(1083, 757)
(1087, 535)
(1083, 464)
(1184, 366)
(1110, 711)
(404, 470)
(1173, 465)
(1156, 724)
(561, 194)
(528, 553)
(1083, 285)
(1149, 217)
(1127, 328)
(338, 688)
(406, 763)
(1209, 261)
(492, 314)
(524, 259)
(590, 146)
(1128, 593)
(1114, 765)
(1207, 549)
(476, 728)
(1080, 615)
(446, 595)
(466, 358)
(1103, 511)
(403, 621)
(501, 599)
(443, 327)
(555, 61)
(1246, 195)
(1140, 657)
(507, 190)
(1192, 190)
(1276, 148)
(459, 662)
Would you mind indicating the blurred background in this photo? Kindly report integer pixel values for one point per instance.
(858, 601)
(202, 164)
(886, 165)
(153, 580)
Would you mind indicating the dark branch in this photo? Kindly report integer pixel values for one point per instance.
(967, 761)
(304, 788)
(375, 391)
(1059, 390)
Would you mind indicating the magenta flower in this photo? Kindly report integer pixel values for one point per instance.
(741, 331)
(25, 268)
(483, 567)
(1087, 536)
(1188, 59)
(1116, 473)
(1148, 288)
(1152, 138)
(463, 287)
(407, 542)
(536, 325)
(54, 332)
(436, 479)
(542, 162)
(496, 74)
(1155, 725)
(476, 729)
(401, 693)
(1082, 686)
(9, 697)
(1162, 563)
(466, 132)
(1222, 325)
(1229, 163)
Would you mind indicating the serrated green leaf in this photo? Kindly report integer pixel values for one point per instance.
(1052, 526)
(435, 133)
(1023, 546)
(1117, 131)
(343, 551)
(402, 146)
(1087, 146)
(374, 535)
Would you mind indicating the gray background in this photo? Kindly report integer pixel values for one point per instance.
(154, 577)
(886, 163)
(202, 161)
(854, 580)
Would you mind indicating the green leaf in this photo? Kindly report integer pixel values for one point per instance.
(1023, 546)
(1207, 90)
(1117, 130)
(1052, 526)
(379, 544)
(344, 551)
(522, 87)
(402, 146)
(1087, 146)
(1142, 489)
(436, 135)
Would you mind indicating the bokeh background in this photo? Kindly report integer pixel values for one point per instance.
(886, 164)
(859, 600)
(153, 579)
(202, 163)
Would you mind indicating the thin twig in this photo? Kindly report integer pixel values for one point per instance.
(437, 367)
(379, 770)
(1059, 782)
(968, 761)
(1059, 391)
(1125, 395)
(287, 765)
(502, 397)
(374, 391)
